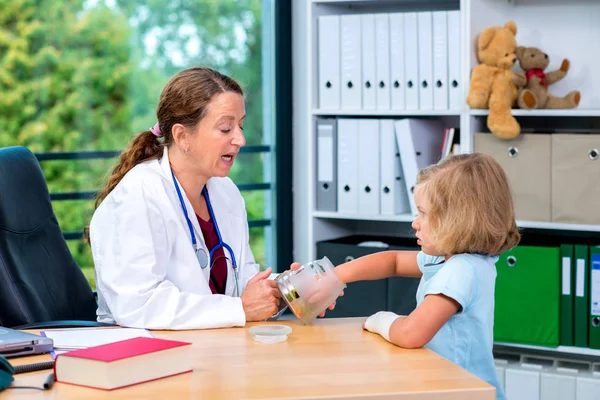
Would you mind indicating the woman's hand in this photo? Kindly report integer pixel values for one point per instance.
(260, 300)
(294, 267)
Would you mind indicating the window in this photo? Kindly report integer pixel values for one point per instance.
(75, 92)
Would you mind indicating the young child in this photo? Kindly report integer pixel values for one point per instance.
(465, 220)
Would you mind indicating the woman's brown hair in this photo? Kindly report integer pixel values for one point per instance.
(183, 101)
(470, 205)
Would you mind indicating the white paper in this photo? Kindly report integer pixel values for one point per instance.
(580, 282)
(566, 276)
(71, 339)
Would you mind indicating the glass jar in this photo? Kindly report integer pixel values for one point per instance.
(310, 289)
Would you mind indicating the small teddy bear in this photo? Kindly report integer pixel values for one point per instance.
(535, 95)
(493, 84)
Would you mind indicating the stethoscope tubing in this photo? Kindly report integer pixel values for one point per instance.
(220, 244)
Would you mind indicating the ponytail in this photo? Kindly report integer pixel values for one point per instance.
(143, 147)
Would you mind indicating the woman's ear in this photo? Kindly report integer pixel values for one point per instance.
(180, 136)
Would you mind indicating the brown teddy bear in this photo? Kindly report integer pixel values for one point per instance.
(534, 61)
(493, 84)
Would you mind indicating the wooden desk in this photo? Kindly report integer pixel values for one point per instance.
(331, 358)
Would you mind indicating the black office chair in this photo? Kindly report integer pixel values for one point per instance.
(41, 286)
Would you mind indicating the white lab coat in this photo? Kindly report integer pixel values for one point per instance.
(147, 273)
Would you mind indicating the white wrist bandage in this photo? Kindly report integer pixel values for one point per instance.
(381, 322)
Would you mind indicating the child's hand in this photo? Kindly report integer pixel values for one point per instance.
(380, 323)
(331, 307)
(297, 265)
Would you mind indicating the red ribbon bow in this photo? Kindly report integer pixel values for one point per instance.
(539, 73)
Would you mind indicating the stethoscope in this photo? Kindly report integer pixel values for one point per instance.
(203, 259)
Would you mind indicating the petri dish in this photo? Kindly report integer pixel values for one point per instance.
(270, 333)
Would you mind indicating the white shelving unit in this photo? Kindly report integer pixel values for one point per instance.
(563, 29)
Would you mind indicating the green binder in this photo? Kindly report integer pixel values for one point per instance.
(594, 319)
(566, 295)
(527, 299)
(582, 296)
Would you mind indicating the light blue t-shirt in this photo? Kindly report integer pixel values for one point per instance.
(467, 338)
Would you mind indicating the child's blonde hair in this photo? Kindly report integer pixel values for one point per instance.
(470, 205)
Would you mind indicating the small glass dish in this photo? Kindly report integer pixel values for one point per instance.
(270, 333)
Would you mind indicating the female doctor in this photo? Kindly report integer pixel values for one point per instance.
(170, 235)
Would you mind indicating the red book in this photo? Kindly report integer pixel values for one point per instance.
(124, 363)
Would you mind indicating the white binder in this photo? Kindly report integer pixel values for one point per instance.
(329, 62)
(588, 386)
(411, 62)
(420, 143)
(425, 41)
(351, 62)
(382, 60)
(368, 166)
(397, 60)
(440, 60)
(347, 177)
(455, 97)
(369, 81)
(393, 195)
(559, 384)
(523, 382)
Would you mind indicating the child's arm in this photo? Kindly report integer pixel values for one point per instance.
(379, 266)
(418, 328)
(452, 289)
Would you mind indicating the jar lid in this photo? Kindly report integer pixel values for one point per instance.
(270, 333)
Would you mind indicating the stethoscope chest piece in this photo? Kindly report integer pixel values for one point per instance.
(202, 257)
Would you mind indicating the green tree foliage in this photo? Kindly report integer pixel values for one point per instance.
(64, 77)
(82, 75)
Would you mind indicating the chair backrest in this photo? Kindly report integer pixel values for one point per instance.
(39, 280)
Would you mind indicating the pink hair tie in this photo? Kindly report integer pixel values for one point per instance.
(156, 130)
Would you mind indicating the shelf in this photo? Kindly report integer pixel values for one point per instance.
(356, 217)
(409, 218)
(576, 112)
(499, 346)
(386, 113)
(558, 226)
